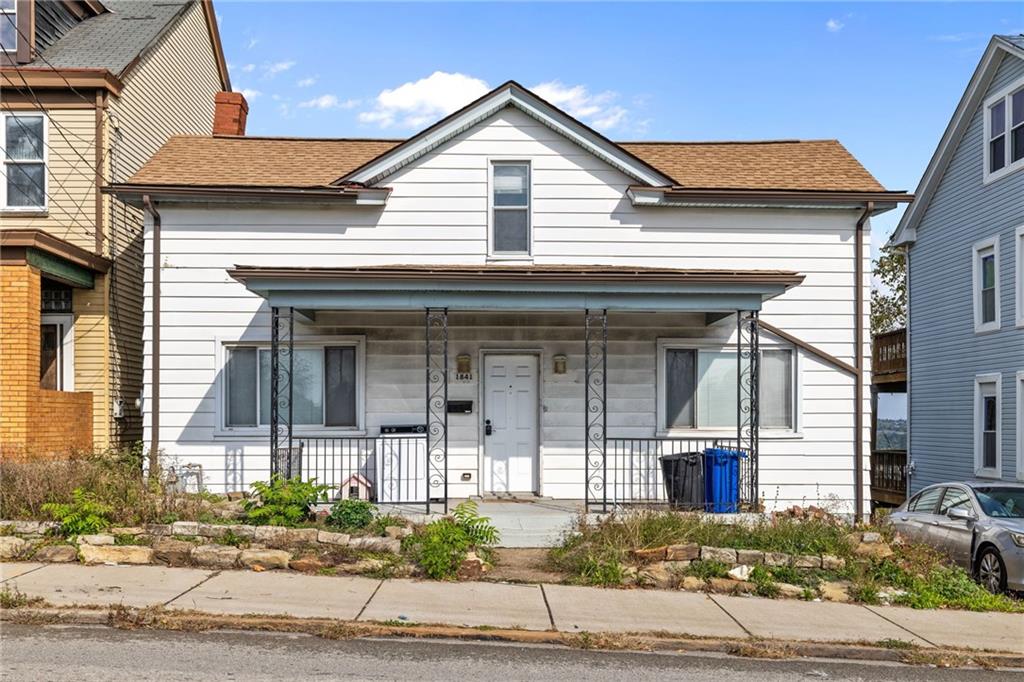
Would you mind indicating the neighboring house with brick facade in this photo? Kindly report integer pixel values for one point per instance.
(91, 89)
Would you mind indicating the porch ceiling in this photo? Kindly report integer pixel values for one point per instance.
(515, 287)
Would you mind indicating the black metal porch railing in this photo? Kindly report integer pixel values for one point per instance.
(634, 474)
(394, 468)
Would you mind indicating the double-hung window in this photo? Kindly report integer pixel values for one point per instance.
(326, 386)
(698, 388)
(987, 423)
(1004, 131)
(8, 25)
(985, 272)
(510, 208)
(24, 156)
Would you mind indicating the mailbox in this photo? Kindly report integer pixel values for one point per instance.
(460, 407)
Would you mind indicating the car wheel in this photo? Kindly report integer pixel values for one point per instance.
(992, 571)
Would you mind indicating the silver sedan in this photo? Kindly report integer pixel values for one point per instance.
(979, 524)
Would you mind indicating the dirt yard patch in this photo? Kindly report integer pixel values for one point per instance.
(521, 565)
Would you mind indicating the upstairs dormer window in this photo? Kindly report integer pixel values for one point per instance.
(1004, 131)
(8, 25)
(510, 209)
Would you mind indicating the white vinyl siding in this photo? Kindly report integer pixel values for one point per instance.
(438, 213)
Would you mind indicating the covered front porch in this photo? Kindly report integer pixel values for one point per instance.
(532, 380)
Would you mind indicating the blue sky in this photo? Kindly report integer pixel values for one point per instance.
(882, 78)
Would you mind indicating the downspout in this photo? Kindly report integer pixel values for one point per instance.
(858, 362)
(154, 408)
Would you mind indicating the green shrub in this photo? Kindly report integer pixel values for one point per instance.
(282, 501)
(764, 582)
(84, 515)
(707, 568)
(231, 539)
(351, 514)
(441, 546)
(603, 572)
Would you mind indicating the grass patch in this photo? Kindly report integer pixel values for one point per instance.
(707, 569)
(13, 598)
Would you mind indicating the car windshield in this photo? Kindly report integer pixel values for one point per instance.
(1002, 502)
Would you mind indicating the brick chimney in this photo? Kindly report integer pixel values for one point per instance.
(229, 113)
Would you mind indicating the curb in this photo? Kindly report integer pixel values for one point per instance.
(157, 618)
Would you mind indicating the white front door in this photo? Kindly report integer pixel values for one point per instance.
(510, 423)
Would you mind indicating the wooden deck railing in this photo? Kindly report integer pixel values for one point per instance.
(889, 353)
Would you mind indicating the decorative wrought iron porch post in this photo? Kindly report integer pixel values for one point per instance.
(436, 335)
(748, 360)
(282, 365)
(595, 371)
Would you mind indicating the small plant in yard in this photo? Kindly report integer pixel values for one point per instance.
(382, 522)
(351, 514)
(282, 501)
(441, 546)
(13, 598)
(604, 572)
(84, 515)
(231, 539)
(707, 569)
(764, 582)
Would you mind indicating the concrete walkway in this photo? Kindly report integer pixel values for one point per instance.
(530, 607)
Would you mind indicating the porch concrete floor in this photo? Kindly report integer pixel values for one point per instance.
(522, 522)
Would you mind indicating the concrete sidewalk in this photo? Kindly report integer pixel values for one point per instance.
(530, 607)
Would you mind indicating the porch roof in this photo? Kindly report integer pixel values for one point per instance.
(515, 287)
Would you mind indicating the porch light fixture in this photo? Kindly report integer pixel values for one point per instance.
(463, 365)
(560, 364)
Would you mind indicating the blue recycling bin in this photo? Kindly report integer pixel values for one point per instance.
(722, 480)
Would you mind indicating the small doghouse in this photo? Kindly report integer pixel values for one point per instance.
(356, 487)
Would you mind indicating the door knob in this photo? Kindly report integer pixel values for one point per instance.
(488, 429)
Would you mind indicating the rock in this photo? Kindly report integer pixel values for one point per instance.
(741, 572)
(658, 574)
(115, 554)
(301, 536)
(727, 586)
(888, 594)
(235, 495)
(131, 530)
(751, 557)
(215, 556)
(99, 539)
(870, 537)
(777, 559)
(172, 552)
(687, 552)
(692, 583)
(371, 544)
(211, 530)
(807, 561)
(397, 532)
(835, 591)
(269, 533)
(185, 528)
(723, 554)
(158, 529)
(630, 575)
(233, 509)
(265, 558)
(832, 563)
(361, 566)
(11, 547)
(307, 564)
(29, 527)
(56, 554)
(247, 532)
(328, 538)
(789, 591)
(471, 568)
(878, 550)
(652, 554)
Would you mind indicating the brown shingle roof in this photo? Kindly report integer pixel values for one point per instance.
(817, 165)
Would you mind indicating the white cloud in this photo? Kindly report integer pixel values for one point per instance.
(600, 110)
(250, 94)
(271, 70)
(952, 37)
(253, 42)
(329, 102)
(834, 25)
(306, 82)
(247, 68)
(416, 103)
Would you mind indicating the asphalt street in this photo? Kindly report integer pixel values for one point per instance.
(86, 654)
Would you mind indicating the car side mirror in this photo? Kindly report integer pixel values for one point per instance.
(961, 514)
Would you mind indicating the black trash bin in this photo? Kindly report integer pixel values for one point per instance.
(684, 479)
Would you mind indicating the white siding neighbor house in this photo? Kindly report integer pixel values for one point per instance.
(509, 303)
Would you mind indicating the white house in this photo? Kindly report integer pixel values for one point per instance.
(509, 302)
